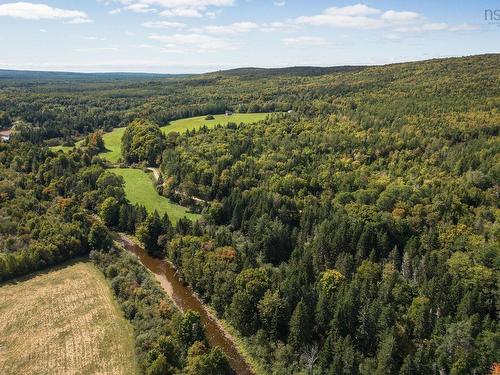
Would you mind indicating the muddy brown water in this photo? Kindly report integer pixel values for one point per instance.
(185, 299)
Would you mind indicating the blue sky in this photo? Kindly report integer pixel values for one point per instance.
(184, 36)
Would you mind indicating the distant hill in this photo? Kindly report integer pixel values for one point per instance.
(248, 72)
(44, 75)
(292, 71)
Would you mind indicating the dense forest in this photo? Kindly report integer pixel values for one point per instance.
(354, 231)
(363, 227)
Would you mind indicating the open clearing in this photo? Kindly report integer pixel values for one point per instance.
(113, 144)
(64, 321)
(191, 123)
(66, 148)
(112, 140)
(139, 189)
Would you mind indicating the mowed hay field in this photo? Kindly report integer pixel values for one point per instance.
(191, 123)
(139, 189)
(66, 322)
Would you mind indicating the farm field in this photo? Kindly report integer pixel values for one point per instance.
(197, 122)
(112, 140)
(63, 321)
(139, 189)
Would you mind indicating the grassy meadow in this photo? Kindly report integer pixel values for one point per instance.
(139, 189)
(191, 123)
(112, 141)
(66, 148)
(64, 321)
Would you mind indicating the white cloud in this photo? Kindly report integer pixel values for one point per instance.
(190, 42)
(357, 10)
(43, 30)
(279, 27)
(463, 27)
(353, 16)
(164, 25)
(400, 17)
(30, 11)
(94, 38)
(135, 7)
(174, 8)
(422, 28)
(140, 8)
(181, 12)
(238, 27)
(305, 41)
(361, 16)
(280, 3)
(78, 21)
(428, 27)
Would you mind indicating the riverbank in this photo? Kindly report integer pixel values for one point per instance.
(241, 344)
(185, 299)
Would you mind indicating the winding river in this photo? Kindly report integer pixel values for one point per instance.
(185, 299)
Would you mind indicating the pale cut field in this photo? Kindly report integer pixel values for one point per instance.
(64, 322)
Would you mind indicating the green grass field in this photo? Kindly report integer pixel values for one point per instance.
(197, 122)
(139, 189)
(112, 140)
(64, 321)
(66, 148)
(113, 143)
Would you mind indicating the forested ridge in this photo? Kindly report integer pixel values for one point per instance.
(356, 234)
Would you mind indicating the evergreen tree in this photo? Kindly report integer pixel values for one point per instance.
(300, 326)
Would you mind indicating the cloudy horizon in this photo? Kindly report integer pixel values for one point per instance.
(194, 36)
